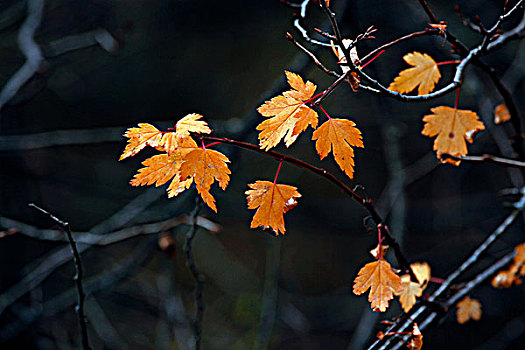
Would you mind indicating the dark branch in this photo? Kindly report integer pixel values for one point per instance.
(199, 313)
(486, 158)
(77, 278)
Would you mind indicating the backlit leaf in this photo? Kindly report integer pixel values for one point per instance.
(453, 127)
(382, 281)
(411, 290)
(425, 73)
(289, 115)
(416, 340)
(339, 136)
(501, 114)
(145, 135)
(272, 201)
(205, 166)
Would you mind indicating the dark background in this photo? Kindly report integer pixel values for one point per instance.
(60, 138)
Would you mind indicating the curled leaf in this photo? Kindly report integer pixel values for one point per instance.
(501, 114)
(145, 135)
(411, 290)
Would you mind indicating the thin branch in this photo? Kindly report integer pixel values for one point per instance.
(366, 203)
(312, 56)
(298, 24)
(199, 313)
(486, 158)
(77, 278)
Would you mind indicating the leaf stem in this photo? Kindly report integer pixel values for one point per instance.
(213, 144)
(325, 113)
(277, 173)
(372, 59)
(457, 97)
(448, 62)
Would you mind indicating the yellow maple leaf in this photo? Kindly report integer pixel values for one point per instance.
(382, 281)
(422, 272)
(145, 135)
(161, 168)
(468, 309)
(289, 115)
(272, 201)
(452, 127)
(338, 136)
(425, 73)
(205, 166)
(411, 290)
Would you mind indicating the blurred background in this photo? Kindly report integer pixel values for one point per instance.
(109, 64)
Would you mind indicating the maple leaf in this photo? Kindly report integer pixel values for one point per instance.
(422, 272)
(190, 123)
(272, 201)
(416, 341)
(145, 135)
(425, 73)
(506, 278)
(382, 281)
(290, 116)
(411, 290)
(501, 114)
(468, 309)
(338, 136)
(205, 166)
(159, 169)
(452, 127)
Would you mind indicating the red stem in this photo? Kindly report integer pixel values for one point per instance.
(373, 58)
(437, 280)
(277, 173)
(457, 98)
(213, 144)
(324, 112)
(314, 97)
(203, 147)
(448, 62)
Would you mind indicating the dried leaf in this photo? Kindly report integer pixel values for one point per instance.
(425, 73)
(504, 279)
(205, 166)
(379, 251)
(422, 272)
(338, 136)
(468, 309)
(382, 281)
(290, 116)
(501, 114)
(352, 78)
(416, 341)
(272, 201)
(191, 123)
(145, 135)
(411, 290)
(511, 276)
(452, 127)
(442, 26)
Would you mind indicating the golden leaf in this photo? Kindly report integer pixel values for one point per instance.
(425, 73)
(145, 135)
(290, 116)
(272, 201)
(452, 127)
(205, 166)
(411, 290)
(338, 136)
(501, 114)
(468, 309)
(382, 281)
(190, 123)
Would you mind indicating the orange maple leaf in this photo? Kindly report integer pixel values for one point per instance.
(511, 276)
(452, 127)
(382, 281)
(272, 201)
(425, 73)
(468, 309)
(190, 123)
(161, 168)
(145, 135)
(338, 136)
(205, 166)
(290, 116)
